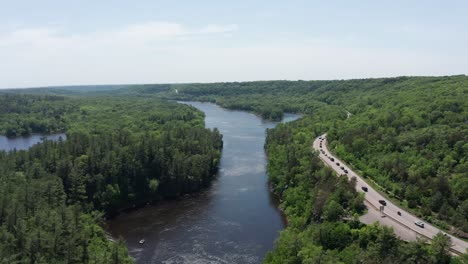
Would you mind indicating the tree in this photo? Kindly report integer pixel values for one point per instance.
(333, 211)
(439, 249)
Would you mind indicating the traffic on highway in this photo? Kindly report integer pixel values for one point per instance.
(401, 218)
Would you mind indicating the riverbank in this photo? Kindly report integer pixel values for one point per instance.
(235, 220)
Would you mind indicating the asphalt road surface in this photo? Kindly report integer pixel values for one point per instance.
(400, 223)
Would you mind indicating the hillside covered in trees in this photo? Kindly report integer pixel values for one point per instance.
(408, 135)
(119, 153)
(323, 210)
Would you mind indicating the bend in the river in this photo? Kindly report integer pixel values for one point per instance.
(235, 220)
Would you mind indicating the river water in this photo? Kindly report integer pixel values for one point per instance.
(23, 143)
(235, 220)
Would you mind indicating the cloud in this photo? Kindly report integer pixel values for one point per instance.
(162, 52)
(31, 36)
(131, 53)
(213, 28)
(139, 33)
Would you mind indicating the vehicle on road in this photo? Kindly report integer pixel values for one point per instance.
(448, 237)
(337, 164)
(399, 222)
(419, 223)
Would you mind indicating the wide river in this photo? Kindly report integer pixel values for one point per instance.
(235, 220)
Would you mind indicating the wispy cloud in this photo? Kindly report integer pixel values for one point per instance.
(131, 53)
(215, 29)
(134, 33)
(172, 52)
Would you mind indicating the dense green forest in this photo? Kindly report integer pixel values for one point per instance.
(413, 141)
(22, 115)
(408, 134)
(119, 153)
(323, 210)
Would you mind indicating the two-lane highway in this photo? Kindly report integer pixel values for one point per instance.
(401, 219)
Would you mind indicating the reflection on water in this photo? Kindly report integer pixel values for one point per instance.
(234, 221)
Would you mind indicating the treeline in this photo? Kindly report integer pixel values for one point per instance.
(119, 153)
(269, 99)
(23, 115)
(408, 134)
(411, 138)
(323, 210)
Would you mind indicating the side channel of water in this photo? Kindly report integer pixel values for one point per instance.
(23, 143)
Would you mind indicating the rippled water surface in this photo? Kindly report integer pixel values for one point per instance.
(234, 221)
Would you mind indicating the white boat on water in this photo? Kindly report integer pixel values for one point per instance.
(142, 242)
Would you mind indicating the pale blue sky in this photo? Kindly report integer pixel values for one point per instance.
(109, 42)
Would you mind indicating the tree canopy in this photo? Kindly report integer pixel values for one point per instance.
(406, 134)
(119, 153)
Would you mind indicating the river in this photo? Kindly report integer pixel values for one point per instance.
(235, 220)
(23, 143)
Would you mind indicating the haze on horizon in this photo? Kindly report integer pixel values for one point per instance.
(49, 43)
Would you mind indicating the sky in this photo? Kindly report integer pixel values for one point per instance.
(50, 43)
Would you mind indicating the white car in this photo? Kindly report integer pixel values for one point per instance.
(419, 223)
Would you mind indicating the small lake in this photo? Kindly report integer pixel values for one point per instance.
(235, 220)
(23, 143)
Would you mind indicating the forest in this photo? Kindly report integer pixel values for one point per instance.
(323, 210)
(22, 115)
(407, 135)
(119, 153)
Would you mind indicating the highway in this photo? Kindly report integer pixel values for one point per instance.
(400, 223)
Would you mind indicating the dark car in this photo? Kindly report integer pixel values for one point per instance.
(342, 167)
(419, 223)
(345, 171)
(337, 164)
(332, 159)
(364, 188)
(382, 202)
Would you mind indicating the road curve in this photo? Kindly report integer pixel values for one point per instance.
(404, 221)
